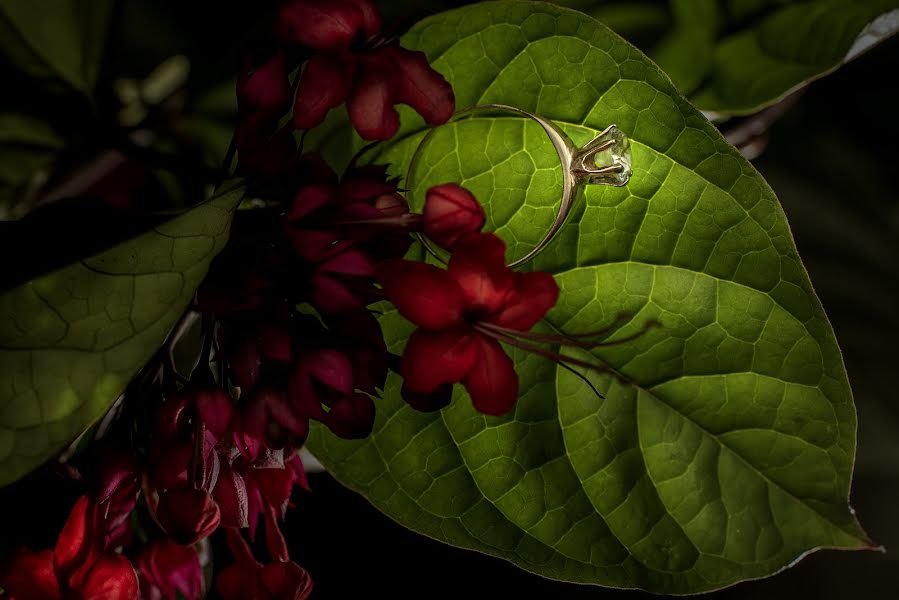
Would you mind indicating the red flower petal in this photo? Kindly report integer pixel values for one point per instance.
(119, 473)
(371, 18)
(352, 417)
(275, 399)
(363, 342)
(320, 24)
(314, 169)
(370, 105)
(263, 149)
(215, 409)
(342, 283)
(534, 294)
(266, 89)
(188, 515)
(169, 461)
(30, 576)
(286, 581)
(357, 187)
(78, 545)
(111, 578)
(309, 199)
(492, 382)
(351, 262)
(424, 294)
(318, 378)
(274, 341)
(171, 416)
(166, 568)
(230, 493)
(315, 245)
(331, 295)
(244, 362)
(478, 265)
(433, 358)
(430, 402)
(420, 86)
(274, 539)
(451, 212)
(325, 82)
(391, 205)
(239, 582)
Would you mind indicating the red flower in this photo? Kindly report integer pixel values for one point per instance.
(167, 570)
(461, 313)
(78, 567)
(248, 579)
(371, 83)
(450, 213)
(353, 65)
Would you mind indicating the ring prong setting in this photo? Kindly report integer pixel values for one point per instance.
(604, 160)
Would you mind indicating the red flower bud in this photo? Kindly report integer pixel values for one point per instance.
(188, 515)
(450, 213)
(391, 205)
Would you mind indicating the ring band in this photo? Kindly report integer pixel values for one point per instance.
(579, 166)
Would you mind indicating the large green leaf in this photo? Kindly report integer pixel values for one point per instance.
(56, 39)
(71, 340)
(730, 454)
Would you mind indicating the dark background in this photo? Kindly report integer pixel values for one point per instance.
(833, 161)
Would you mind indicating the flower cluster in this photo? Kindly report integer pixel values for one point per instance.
(348, 60)
(288, 331)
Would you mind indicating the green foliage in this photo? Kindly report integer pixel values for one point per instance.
(70, 340)
(725, 449)
(738, 56)
(28, 148)
(774, 48)
(56, 40)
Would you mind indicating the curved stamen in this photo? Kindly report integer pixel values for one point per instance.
(554, 356)
(569, 340)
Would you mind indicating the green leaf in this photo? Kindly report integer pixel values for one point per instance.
(730, 454)
(71, 340)
(56, 39)
(28, 148)
(782, 47)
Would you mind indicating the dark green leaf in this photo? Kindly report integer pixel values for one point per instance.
(72, 339)
(56, 39)
(730, 454)
(782, 47)
(28, 148)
